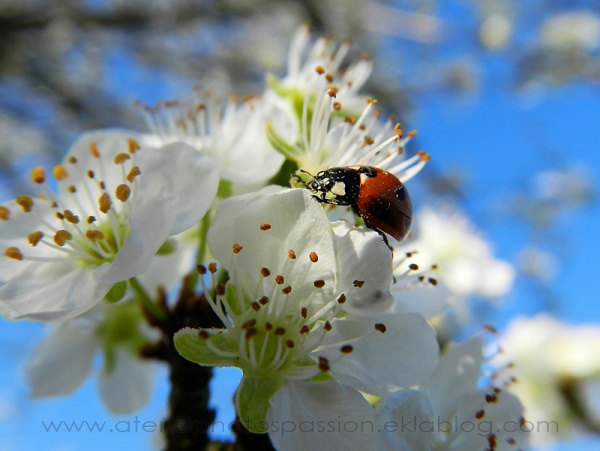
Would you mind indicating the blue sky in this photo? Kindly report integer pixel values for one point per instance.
(497, 139)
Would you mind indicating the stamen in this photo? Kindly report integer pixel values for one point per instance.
(14, 253)
(38, 175)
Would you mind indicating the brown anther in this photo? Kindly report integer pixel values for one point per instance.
(72, 160)
(434, 267)
(70, 217)
(342, 299)
(121, 157)
(201, 269)
(380, 328)
(492, 441)
(412, 133)
(327, 326)
(329, 77)
(90, 219)
(398, 131)
(60, 172)
(347, 349)
(60, 216)
(358, 283)
(38, 175)
(220, 289)
(304, 330)
(72, 189)
(313, 257)
(424, 155)
(91, 174)
(319, 283)
(263, 300)
(491, 398)
(323, 364)
(123, 192)
(61, 237)
(320, 70)
(368, 140)
(212, 267)
(349, 120)
(203, 334)
(280, 331)
(287, 290)
(251, 333)
(35, 237)
(268, 326)
(432, 281)
(279, 279)
(133, 145)
(14, 253)
(413, 266)
(255, 306)
(25, 201)
(480, 414)
(289, 344)
(337, 106)
(4, 213)
(265, 272)
(94, 150)
(102, 185)
(304, 312)
(511, 441)
(104, 203)
(331, 92)
(133, 173)
(265, 226)
(237, 248)
(291, 255)
(94, 235)
(490, 328)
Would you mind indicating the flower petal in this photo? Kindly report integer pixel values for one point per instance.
(128, 386)
(62, 362)
(320, 415)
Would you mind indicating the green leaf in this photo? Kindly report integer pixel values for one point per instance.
(117, 292)
(252, 400)
(193, 347)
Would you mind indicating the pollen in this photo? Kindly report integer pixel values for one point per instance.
(94, 235)
(38, 175)
(4, 213)
(204, 334)
(25, 201)
(91, 174)
(14, 253)
(265, 272)
(304, 312)
(412, 133)
(72, 160)
(94, 150)
(255, 306)
(480, 414)
(319, 283)
(313, 257)
(123, 192)
(133, 145)
(121, 158)
(220, 289)
(337, 106)
(61, 237)
(342, 299)
(491, 398)
(133, 173)
(212, 267)
(304, 330)
(201, 269)
(424, 155)
(265, 226)
(358, 283)
(237, 248)
(327, 326)
(320, 70)
(35, 237)
(90, 219)
(347, 349)
(380, 328)
(263, 300)
(413, 266)
(289, 344)
(70, 217)
(72, 189)
(287, 290)
(279, 279)
(104, 203)
(292, 254)
(60, 172)
(279, 331)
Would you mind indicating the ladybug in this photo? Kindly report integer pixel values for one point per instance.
(375, 195)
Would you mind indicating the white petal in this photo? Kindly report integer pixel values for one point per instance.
(456, 375)
(295, 222)
(128, 386)
(306, 416)
(427, 300)
(380, 363)
(406, 420)
(50, 292)
(61, 363)
(365, 259)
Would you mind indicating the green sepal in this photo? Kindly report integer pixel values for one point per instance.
(168, 247)
(252, 400)
(289, 151)
(116, 292)
(195, 348)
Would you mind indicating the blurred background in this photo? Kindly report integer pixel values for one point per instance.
(504, 94)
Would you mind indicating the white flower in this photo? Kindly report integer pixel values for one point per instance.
(305, 313)
(116, 205)
(554, 364)
(61, 363)
(464, 261)
(451, 412)
(228, 131)
(572, 30)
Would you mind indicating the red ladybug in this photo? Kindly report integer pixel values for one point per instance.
(375, 195)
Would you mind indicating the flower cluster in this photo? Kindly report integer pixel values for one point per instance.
(327, 321)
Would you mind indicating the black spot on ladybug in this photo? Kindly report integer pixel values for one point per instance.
(375, 195)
